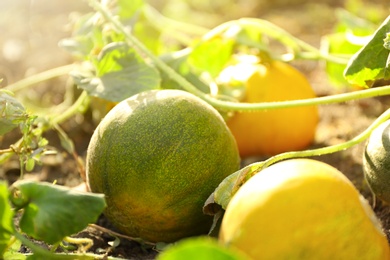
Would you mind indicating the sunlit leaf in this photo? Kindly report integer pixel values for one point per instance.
(179, 62)
(52, 212)
(120, 73)
(148, 34)
(127, 8)
(339, 44)
(212, 55)
(13, 251)
(386, 41)
(369, 64)
(12, 112)
(349, 22)
(87, 37)
(204, 248)
(6, 214)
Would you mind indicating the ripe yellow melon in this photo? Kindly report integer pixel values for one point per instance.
(270, 132)
(157, 156)
(302, 209)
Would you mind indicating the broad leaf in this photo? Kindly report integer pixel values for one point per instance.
(87, 37)
(12, 112)
(179, 62)
(13, 251)
(52, 212)
(6, 214)
(127, 9)
(370, 63)
(120, 73)
(204, 248)
(339, 43)
(212, 55)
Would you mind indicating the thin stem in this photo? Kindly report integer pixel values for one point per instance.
(324, 150)
(113, 233)
(83, 243)
(48, 74)
(81, 102)
(9, 150)
(367, 93)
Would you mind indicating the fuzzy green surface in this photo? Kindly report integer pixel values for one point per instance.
(157, 156)
(376, 162)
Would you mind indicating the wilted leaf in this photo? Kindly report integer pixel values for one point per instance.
(228, 187)
(120, 73)
(6, 214)
(204, 248)
(12, 112)
(52, 212)
(370, 63)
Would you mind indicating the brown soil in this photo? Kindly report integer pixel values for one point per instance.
(30, 46)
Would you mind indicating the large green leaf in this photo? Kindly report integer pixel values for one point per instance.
(120, 73)
(178, 61)
(87, 37)
(204, 248)
(13, 252)
(127, 8)
(212, 55)
(52, 212)
(371, 62)
(6, 214)
(338, 43)
(12, 112)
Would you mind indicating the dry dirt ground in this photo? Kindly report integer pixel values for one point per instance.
(31, 30)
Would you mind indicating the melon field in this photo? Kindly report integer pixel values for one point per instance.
(136, 129)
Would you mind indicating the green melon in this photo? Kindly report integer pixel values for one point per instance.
(157, 156)
(376, 162)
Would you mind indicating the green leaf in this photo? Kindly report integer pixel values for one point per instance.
(211, 56)
(387, 41)
(339, 43)
(127, 8)
(370, 63)
(350, 22)
(52, 212)
(13, 251)
(12, 112)
(204, 248)
(120, 73)
(178, 61)
(87, 37)
(6, 214)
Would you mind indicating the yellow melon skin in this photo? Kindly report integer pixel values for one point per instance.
(302, 209)
(269, 132)
(157, 156)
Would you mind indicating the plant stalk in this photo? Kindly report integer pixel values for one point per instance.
(324, 150)
(46, 75)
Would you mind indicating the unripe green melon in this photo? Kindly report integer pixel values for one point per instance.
(376, 162)
(157, 156)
